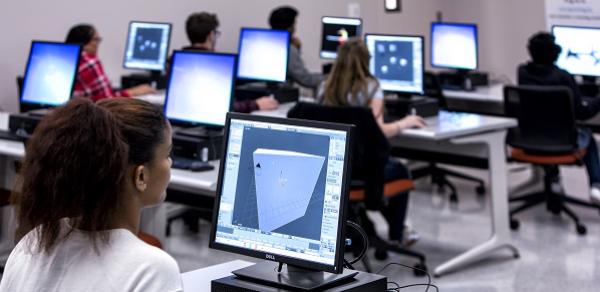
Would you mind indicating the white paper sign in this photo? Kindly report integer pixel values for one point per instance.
(573, 12)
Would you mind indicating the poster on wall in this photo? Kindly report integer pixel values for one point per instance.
(573, 12)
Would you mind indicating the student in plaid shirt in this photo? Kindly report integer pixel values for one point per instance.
(91, 81)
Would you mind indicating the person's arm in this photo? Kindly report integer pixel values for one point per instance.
(393, 128)
(95, 82)
(298, 73)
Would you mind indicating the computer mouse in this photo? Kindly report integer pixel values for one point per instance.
(201, 166)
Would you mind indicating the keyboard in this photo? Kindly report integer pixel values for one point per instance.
(190, 164)
(8, 135)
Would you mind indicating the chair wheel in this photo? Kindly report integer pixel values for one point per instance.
(381, 254)
(453, 198)
(581, 230)
(419, 273)
(514, 224)
(480, 190)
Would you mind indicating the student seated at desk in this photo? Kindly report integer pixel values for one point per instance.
(202, 31)
(91, 80)
(82, 195)
(351, 84)
(284, 18)
(542, 71)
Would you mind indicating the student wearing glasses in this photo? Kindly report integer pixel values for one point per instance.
(202, 31)
(92, 81)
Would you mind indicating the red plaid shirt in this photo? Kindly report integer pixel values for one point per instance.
(92, 82)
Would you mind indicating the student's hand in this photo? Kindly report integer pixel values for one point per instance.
(141, 90)
(296, 42)
(267, 103)
(411, 121)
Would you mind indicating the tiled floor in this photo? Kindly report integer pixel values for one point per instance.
(553, 256)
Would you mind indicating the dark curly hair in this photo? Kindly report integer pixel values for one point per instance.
(543, 48)
(76, 165)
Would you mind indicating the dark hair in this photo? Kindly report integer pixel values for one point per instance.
(199, 25)
(283, 17)
(76, 165)
(543, 49)
(80, 34)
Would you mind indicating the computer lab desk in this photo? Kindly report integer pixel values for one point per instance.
(487, 100)
(464, 133)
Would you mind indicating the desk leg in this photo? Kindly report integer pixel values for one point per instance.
(500, 237)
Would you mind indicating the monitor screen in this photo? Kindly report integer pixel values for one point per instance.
(454, 45)
(200, 88)
(336, 31)
(263, 54)
(282, 191)
(147, 45)
(50, 73)
(397, 62)
(580, 53)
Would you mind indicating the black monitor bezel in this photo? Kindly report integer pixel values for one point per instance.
(358, 34)
(27, 68)
(339, 257)
(187, 123)
(287, 60)
(577, 27)
(127, 44)
(422, 60)
(455, 24)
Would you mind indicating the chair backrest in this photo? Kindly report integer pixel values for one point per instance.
(546, 118)
(371, 147)
(433, 88)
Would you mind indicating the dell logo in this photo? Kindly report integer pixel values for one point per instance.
(270, 257)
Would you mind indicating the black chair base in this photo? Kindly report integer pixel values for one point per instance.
(439, 177)
(556, 203)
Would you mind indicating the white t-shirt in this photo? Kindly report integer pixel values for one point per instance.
(124, 264)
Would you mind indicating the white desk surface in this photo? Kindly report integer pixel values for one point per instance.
(199, 280)
(449, 125)
(485, 93)
(204, 181)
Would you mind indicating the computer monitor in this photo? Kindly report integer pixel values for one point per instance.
(580, 53)
(50, 74)
(397, 62)
(147, 45)
(336, 31)
(200, 88)
(263, 54)
(454, 45)
(282, 191)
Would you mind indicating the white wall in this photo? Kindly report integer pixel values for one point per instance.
(504, 28)
(24, 20)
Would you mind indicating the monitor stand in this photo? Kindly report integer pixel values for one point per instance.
(200, 132)
(462, 79)
(153, 77)
(292, 277)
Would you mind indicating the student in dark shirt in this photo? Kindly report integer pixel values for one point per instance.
(284, 18)
(202, 31)
(542, 71)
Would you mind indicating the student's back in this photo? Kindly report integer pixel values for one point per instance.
(124, 264)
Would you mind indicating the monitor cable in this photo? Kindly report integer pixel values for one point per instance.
(365, 244)
(398, 287)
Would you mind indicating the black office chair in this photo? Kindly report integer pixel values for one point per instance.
(547, 137)
(439, 175)
(369, 157)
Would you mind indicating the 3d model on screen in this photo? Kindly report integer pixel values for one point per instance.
(285, 182)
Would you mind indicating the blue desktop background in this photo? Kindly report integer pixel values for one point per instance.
(50, 73)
